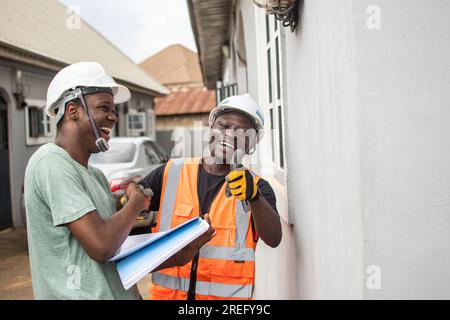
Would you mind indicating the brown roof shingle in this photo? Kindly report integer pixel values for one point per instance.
(192, 100)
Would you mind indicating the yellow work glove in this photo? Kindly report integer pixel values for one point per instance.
(240, 183)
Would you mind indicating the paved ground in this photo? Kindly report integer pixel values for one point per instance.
(15, 278)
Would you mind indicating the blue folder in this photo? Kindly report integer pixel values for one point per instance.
(139, 263)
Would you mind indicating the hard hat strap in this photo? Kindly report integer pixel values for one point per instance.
(101, 143)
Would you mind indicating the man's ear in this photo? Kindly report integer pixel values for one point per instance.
(73, 111)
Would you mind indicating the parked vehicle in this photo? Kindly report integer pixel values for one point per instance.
(127, 158)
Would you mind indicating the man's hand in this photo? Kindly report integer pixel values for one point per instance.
(102, 237)
(240, 183)
(188, 253)
(135, 194)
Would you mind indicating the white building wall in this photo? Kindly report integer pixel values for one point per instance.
(367, 146)
(321, 254)
(403, 87)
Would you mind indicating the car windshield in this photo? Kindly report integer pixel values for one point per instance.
(160, 151)
(119, 152)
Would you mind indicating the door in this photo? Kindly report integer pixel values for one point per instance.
(5, 186)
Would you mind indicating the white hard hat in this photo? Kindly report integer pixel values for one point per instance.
(81, 74)
(241, 103)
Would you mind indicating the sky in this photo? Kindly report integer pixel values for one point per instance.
(139, 28)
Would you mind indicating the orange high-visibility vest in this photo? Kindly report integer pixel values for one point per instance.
(226, 265)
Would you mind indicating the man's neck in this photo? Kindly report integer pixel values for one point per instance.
(74, 148)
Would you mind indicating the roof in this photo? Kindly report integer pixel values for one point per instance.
(41, 28)
(193, 100)
(174, 65)
(210, 20)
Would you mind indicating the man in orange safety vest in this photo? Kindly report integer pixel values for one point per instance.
(241, 207)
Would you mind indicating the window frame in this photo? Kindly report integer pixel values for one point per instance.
(151, 122)
(49, 135)
(274, 45)
(277, 177)
(147, 145)
(136, 132)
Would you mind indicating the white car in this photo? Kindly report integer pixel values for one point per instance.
(127, 158)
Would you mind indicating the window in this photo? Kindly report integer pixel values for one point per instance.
(277, 61)
(280, 137)
(136, 124)
(160, 151)
(275, 101)
(3, 125)
(39, 127)
(272, 127)
(151, 124)
(271, 65)
(269, 72)
(223, 92)
(151, 154)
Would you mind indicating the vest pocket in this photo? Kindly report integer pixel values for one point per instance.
(183, 210)
(225, 236)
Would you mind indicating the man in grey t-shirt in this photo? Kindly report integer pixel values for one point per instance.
(73, 226)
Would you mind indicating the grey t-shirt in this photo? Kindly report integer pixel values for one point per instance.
(59, 190)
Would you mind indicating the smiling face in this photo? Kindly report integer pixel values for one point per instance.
(103, 111)
(231, 131)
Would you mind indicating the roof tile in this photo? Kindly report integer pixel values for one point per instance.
(193, 100)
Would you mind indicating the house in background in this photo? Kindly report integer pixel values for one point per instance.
(356, 144)
(37, 39)
(189, 102)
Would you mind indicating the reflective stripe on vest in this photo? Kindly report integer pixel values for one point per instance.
(227, 253)
(203, 287)
(237, 253)
(240, 252)
(170, 193)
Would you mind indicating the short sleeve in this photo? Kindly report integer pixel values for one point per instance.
(61, 187)
(268, 194)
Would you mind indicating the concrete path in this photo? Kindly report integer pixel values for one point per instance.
(15, 277)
